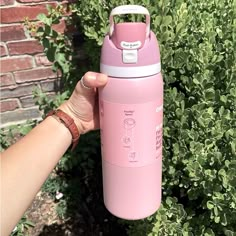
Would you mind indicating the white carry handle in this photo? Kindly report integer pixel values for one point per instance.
(130, 9)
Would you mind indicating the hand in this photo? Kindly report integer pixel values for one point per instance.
(82, 106)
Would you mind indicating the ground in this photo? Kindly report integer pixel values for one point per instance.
(47, 223)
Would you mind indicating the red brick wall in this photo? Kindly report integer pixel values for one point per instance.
(24, 67)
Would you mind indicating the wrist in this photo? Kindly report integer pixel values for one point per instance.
(65, 107)
(68, 122)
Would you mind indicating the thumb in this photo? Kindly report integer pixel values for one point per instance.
(93, 80)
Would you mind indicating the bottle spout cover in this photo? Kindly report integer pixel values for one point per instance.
(129, 35)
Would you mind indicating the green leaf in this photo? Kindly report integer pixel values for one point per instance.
(217, 219)
(46, 43)
(169, 201)
(50, 53)
(60, 57)
(224, 219)
(179, 27)
(48, 30)
(195, 81)
(223, 98)
(201, 121)
(233, 147)
(42, 17)
(229, 232)
(166, 20)
(210, 205)
(209, 232)
(25, 129)
(216, 212)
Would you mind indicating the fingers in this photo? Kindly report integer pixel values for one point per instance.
(94, 80)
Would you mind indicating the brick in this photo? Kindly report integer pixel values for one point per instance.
(3, 50)
(19, 115)
(6, 80)
(19, 13)
(34, 74)
(17, 91)
(27, 101)
(60, 28)
(8, 105)
(12, 32)
(51, 85)
(24, 47)
(41, 60)
(6, 2)
(16, 63)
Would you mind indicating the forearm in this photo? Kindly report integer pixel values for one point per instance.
(26, 165)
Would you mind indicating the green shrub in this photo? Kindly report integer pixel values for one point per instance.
(197, 42)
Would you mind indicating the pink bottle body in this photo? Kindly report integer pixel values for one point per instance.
(131, 117)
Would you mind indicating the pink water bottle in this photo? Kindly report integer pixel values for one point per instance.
(131, 116)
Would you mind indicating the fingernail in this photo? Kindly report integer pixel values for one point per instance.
(92, 76)
(101, 78)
